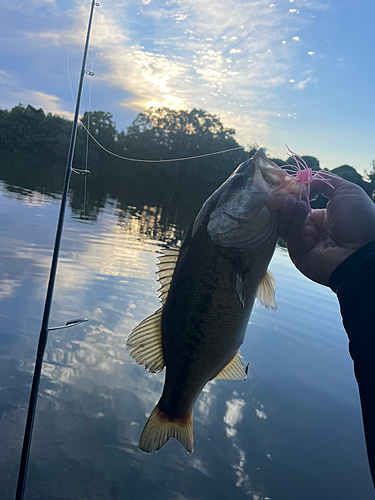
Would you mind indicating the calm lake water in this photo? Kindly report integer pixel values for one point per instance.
(291, 431)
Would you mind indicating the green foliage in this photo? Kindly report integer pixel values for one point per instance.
(101, 126)
(371, 178)
(350, 174)
(311, 162)
(157, 133)
(164, 129)
(278, 162)
(32, 131)
(164, 133)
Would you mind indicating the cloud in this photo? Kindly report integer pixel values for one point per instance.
(233, 414)
(28, 7)
(5, 77)
(318, 5)
(260, 414)
(8, 288)
(227, 60)
(13, 93)
(303, 84)
(49, 103)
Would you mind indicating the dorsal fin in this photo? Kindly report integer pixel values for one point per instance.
(234, 369)
(145, 340)
(167, 263)
(266, 291)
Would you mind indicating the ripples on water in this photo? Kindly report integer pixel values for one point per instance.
(291, 431)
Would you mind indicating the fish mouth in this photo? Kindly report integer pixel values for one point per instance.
(279, 182)
(273, 174)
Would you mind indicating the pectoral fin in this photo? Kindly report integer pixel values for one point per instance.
(266, 291)
(234, 369)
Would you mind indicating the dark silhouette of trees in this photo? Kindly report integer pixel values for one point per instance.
(32, 131)
(311, 162)
(350, 174)
(163, 133)
(157, 133)
(101, 126)
(371, 178)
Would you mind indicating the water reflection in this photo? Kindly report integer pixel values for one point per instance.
(298, 411)
(233, 416)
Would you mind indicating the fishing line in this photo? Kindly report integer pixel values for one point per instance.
(87, 130)
(273, 152)
(69, 76)
(87, 137)
(157, 161)
(91, 74)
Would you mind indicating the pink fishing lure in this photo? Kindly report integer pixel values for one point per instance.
(303, 175)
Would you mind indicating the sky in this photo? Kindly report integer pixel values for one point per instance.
(295, 72)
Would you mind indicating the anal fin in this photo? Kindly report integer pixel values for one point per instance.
(146, 343)
(234, 369)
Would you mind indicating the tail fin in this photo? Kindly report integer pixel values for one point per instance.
(159, 428)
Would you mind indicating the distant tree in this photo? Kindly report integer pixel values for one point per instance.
(29, 130)
(170, 130)
(350, 174)
(253, 148)
(311, 162)
(157, 133)
(371, 177)
(101, 126)
(278, 162)
(22, 127)
(162, 133)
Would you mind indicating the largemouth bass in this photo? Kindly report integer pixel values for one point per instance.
(208, 288)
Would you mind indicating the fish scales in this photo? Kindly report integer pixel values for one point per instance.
(203, 321)
(207, 293)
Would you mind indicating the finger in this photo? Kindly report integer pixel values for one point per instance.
(336, 184)
(294, 234)
(291, 217)
(285, 215)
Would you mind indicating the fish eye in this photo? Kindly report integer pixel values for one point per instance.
(237, 182)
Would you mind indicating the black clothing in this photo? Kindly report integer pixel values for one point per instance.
(354, 282)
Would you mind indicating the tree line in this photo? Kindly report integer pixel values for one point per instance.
(157, 133)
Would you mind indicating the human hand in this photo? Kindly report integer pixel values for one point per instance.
(318, 242)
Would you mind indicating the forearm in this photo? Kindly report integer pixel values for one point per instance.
(354, 283)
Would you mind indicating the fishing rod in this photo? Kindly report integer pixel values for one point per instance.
(51, 283)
